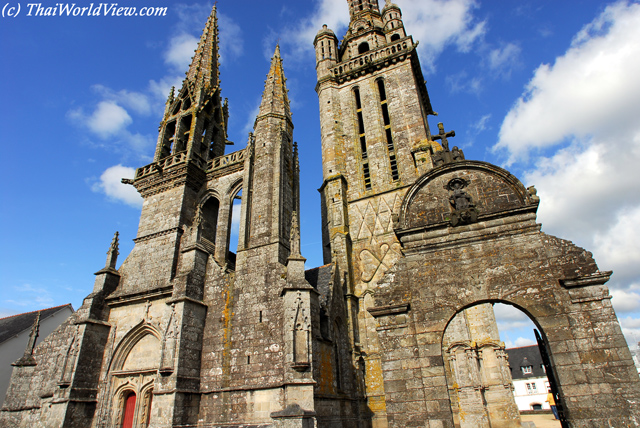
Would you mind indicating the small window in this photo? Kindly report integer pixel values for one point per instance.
(536, 407)
(527, 370)
(531, 388)
(364, 47)
(395, 37)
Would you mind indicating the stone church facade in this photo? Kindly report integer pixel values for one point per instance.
(395, 330)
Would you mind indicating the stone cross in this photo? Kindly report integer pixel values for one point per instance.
(444, 136)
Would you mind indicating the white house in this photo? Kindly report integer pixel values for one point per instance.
(14, 337)
(529, 378)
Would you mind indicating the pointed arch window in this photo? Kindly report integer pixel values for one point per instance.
(209, 223)
(363, 139)
(386, 119)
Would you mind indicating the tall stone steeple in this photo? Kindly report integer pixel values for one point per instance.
(374, 106)
(195, 120)
(275, 99)
(270, 176)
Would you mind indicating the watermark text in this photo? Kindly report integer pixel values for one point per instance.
(73, 9)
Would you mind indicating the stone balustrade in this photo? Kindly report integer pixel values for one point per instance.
(371, 57)
(181, 157)
(226, 160)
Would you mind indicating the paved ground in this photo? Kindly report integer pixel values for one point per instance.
(541, 421)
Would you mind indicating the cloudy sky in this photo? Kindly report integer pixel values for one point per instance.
(544, 88)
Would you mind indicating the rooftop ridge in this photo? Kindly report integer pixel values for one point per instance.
(39, 310)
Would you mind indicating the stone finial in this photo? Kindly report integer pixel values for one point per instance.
(112, 254)
(533, 194)
(274, 98)
(296, 158)
(295, 235)
(27, 359)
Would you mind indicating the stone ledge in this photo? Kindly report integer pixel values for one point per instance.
(596, 278)
(293, 411)
(381, 311)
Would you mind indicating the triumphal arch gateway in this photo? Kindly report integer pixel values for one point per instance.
(395, 330)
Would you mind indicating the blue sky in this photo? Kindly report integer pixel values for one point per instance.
(547, 89)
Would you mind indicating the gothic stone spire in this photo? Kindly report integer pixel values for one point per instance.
(204, 66)
(275, 101)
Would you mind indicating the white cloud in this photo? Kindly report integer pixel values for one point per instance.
(626, 300)
(110, 184)
(183, 44)
(510, 318)
(106, 120)
(438, 23)
(592, 89)
(160, 88)
(435, 23)
(231, 43)
(586, 104)
(299, 37)
(461, 82)
(181, 50)
(504, 59)
(135, 101)
(519, 342)
(631, 330)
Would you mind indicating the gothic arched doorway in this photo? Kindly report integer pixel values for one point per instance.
(129, 410)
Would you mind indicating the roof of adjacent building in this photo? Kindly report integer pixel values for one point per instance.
(320, 279)
(16, 324)
(523, 357)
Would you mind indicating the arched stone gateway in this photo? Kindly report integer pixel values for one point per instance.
(469, 236)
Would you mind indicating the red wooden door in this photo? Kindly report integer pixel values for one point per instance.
(129, 407)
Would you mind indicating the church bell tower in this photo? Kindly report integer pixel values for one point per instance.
(376, 143)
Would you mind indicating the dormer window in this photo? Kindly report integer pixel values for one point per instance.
(527, 370)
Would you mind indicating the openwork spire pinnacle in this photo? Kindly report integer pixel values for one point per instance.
(275, 101)
(204, 66)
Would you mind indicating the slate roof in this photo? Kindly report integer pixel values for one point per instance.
(16, 324)
(320, 279)
(522, 357)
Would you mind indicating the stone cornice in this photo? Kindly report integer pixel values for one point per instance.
(157, 234)
(153, 294)
(596, 278)
(381, 311)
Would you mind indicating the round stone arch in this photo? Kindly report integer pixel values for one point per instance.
(499, 256)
